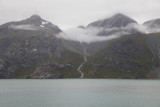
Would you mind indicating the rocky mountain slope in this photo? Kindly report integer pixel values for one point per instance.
(30, 49)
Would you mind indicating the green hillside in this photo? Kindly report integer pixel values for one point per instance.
(126, 57)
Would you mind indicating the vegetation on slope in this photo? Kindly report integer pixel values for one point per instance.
(126, 57)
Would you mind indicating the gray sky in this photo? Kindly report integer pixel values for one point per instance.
(71, 13)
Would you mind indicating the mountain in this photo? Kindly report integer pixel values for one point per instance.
(35, 22)
(153, 25)
(153, 22)
(118, 24)
(31, 49)
(132, 56)
(118, 20)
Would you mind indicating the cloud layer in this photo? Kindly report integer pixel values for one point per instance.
(23, 27)
(84, 35)
(89, 35)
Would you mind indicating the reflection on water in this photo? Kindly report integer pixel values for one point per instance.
(80, 93)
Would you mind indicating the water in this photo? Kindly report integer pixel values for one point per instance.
(79, 93)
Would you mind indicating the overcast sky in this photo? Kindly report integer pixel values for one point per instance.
(71, 13)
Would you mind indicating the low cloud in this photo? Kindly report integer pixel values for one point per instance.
(92, 34)
(149, 28)
(152, 27)
(23, 27)
(154, 30)
(86, 35)
(137, 27)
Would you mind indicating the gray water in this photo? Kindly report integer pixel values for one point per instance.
(80, 93)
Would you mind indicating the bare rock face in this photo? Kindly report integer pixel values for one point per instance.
(46, 71)
(49, 71)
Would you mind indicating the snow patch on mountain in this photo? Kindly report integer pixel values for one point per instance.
(44, 22)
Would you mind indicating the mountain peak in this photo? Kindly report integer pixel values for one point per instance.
(153, 25)
(35, 22)
(152, 22)
(35, 17)
(117, 20)
(119, 15)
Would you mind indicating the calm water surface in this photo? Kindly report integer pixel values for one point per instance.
(80, 93)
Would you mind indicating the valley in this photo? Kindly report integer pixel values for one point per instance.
(34, 49)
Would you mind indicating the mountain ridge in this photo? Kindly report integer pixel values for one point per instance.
(117, 20)
(40, 54)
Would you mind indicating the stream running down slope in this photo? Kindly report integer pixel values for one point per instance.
(85, 60)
